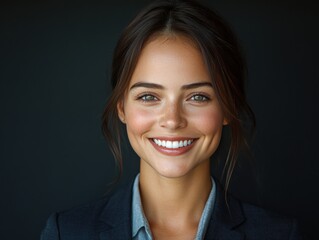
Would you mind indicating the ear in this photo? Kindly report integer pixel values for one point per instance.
(120, 110)
(225, 121)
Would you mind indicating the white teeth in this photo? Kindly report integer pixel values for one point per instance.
(175, 144)
(172, 144)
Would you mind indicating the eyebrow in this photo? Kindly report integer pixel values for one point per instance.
(197, 85)
(158, 86)
(146, 85)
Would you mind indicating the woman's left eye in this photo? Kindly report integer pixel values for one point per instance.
(199, 98)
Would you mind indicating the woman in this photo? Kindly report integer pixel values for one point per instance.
(178, 79)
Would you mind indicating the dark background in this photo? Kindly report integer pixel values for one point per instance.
(55, 66)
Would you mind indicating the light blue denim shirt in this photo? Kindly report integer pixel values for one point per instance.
(140, 227)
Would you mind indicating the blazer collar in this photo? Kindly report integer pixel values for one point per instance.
(225, 218)
(117, 216)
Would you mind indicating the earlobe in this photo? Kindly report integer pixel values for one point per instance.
(120, 111)
(225, 121)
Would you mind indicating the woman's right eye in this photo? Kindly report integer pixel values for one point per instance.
(147, 98)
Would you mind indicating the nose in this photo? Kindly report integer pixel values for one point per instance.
(173, 116)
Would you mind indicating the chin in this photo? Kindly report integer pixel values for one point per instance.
(173, 171)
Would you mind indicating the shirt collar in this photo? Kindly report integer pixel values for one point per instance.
(207, 212)
(139, 220)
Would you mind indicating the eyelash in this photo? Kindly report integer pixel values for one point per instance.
(143, 97)
(204, 97)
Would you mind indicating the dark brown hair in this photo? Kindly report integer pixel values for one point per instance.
(221, 54)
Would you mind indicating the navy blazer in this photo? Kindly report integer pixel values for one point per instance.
(110, 219)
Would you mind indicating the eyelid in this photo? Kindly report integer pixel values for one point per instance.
(140, 96)
(202, 94)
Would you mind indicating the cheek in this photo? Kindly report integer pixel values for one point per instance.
(210, 121)
(138, 120)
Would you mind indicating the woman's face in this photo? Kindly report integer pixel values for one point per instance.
(173, 118)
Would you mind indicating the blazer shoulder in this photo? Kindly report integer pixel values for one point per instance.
(89, 220)
(75, 223)
(254, 212)
(271, 224)
(235, 219)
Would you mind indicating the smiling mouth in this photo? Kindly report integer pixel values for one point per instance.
(173, 144)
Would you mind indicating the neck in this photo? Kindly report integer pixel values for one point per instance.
(174, 202)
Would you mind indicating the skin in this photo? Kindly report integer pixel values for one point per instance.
(170, 97)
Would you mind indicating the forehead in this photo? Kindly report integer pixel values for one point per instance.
(170, 58)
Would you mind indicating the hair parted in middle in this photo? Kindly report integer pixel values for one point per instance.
(221, 54)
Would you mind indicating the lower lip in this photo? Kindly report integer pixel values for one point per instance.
(172, 151)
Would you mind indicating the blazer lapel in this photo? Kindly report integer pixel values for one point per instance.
(225, 219)
(116, 216)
